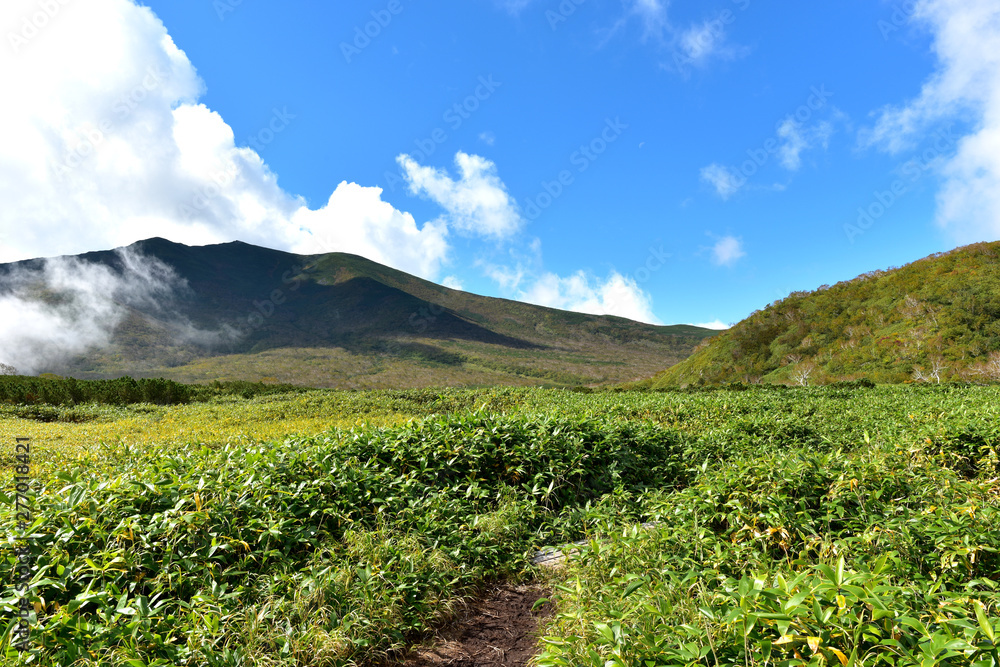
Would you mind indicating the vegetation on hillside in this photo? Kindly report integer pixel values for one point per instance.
(794, 526)
(934, 320)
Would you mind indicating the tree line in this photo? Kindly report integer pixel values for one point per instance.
(54, 390)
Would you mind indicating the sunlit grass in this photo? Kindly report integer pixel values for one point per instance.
(153, 430)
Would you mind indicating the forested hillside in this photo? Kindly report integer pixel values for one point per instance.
(934, 320)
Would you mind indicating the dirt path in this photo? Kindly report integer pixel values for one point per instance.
(499, 630)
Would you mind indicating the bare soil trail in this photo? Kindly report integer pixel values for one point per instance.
(500, 629)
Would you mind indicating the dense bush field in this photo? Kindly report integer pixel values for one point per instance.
(840, 525)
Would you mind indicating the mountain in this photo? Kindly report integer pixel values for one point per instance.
(933, 320)
(238, 311)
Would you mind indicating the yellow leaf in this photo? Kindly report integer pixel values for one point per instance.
(841, 601)
(813, 643)
(785, 639)
(840, 656)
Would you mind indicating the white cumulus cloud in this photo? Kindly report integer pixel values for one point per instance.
(477, 202)
(377, 231)
(454, 282)
(107, 144)
(727, 251)
(718, 325)
(616, 295)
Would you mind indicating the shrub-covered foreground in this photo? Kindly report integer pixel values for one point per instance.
(840, 553)
(313, 551)
(845, 525)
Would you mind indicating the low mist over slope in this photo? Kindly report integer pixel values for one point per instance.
(237, 311)
(933, 320)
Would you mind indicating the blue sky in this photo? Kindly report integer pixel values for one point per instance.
(666, 161)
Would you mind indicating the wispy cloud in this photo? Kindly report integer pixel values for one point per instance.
(509, 278)
(725, 181)
(652, 13)
(702, 42)
(796, 138)
(513, 7)
(965, 85)
(82, 305)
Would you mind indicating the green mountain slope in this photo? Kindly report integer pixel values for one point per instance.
(239, 311)
(933, 320)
